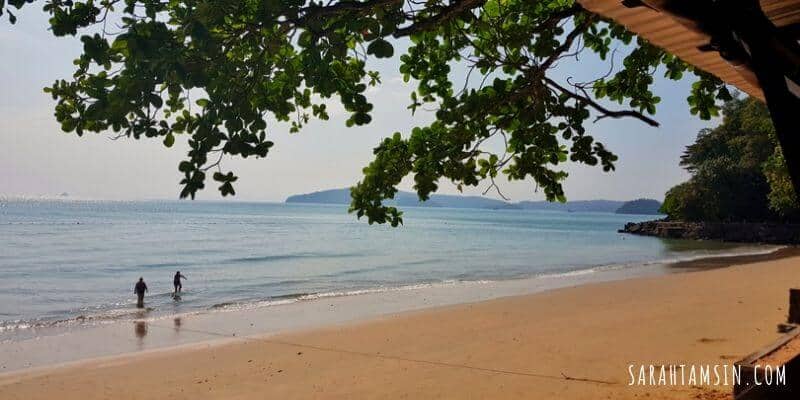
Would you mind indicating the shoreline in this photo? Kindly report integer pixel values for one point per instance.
(34, 328)
(734, 232)
(199, 330)
(727, 261)
(572, 342)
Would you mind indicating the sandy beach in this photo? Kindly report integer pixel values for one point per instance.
(572, 343)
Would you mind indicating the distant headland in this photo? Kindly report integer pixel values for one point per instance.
(407, 199)
(640, 206)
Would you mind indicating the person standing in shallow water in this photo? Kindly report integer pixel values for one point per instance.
(139, 290)
(177, 282)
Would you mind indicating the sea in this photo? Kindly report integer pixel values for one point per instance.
(70, 263)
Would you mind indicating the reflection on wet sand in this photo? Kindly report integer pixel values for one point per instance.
(140, 330)
(177, 324)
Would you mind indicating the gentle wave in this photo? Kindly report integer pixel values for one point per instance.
(128, 313)
(276, 257)
(107, 316)
(116, 315)
(297, 297)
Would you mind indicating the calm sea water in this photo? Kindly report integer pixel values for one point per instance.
(75, 262)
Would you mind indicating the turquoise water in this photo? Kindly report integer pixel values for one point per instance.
(75, 262)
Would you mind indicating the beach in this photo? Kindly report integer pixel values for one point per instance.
(66, 265)
(572, 342)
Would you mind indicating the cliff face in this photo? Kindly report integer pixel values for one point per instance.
(772, 233)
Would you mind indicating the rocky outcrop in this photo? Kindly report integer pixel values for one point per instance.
(746, 232)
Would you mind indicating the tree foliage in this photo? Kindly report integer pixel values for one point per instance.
(782, 196)
(254, 63)
(738, 173)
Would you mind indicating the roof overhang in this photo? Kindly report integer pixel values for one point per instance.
(685, 38)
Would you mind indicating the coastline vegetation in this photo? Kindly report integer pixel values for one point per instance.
(737, 172)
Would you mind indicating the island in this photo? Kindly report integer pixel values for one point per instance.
(640, 206)
(408, 199)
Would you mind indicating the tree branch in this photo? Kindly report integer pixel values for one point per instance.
(454, 8)
(307, 13)
(567, 44)
(606, 112)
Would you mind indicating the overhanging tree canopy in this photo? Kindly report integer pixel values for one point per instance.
(261, 61)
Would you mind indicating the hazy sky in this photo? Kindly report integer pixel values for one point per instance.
(37, 159)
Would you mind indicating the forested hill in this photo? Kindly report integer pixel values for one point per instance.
(573, 206)
(737, 170)
(342, 196)
(640, 206)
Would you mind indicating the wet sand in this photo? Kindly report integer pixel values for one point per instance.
(572, 343)
(727, 261)
(44, 348)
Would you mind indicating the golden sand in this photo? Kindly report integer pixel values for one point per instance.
(573, 343)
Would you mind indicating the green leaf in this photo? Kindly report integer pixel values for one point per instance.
(381, 48)
(492, 8)
(155, 100)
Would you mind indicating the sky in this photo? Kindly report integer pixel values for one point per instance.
(37, 159)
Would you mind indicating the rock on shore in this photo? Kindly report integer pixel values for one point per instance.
(746, 232)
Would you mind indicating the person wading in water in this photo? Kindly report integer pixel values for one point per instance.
(176, 281)
(139, 290)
